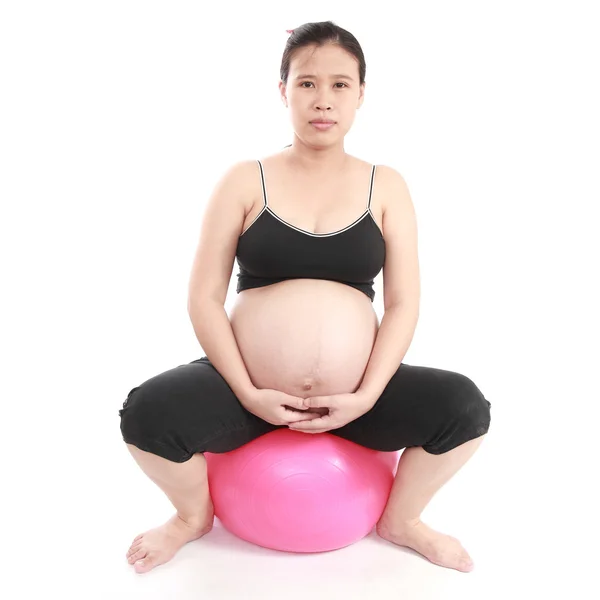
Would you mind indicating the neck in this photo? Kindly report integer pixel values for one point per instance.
(326, 159)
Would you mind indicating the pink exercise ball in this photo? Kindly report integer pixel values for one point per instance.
(300, 492)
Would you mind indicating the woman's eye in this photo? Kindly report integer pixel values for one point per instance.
(338, 83)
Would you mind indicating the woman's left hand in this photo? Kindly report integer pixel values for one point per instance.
(343, 408)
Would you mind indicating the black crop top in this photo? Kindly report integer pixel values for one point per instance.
(271, 250)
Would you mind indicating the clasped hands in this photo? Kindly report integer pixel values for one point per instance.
(343, 408)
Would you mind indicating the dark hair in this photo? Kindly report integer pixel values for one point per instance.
(319, 34)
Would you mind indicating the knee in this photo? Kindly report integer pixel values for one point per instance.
(466, 417)
(140, 418)
(471, 408)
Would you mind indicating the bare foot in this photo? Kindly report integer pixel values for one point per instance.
(159, 545)
(443, 550)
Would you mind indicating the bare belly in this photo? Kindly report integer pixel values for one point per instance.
(305, 337)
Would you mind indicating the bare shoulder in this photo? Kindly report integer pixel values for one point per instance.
(394, 190)
(401, 272)
(241, 176)
(220, 229)
(386, 176)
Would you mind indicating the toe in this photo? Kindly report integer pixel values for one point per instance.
(467, 564)
(134, 548)
(144, 565)
(137, 556)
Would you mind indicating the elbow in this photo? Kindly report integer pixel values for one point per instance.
(190, 304)
(193, 305)
(192, 301)
(412, 306)
(196, 302)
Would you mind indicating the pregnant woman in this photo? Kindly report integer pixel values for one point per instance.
(311, 227)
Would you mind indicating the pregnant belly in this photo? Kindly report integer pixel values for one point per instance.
(305, 337)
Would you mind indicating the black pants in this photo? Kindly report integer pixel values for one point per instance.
(191, 408)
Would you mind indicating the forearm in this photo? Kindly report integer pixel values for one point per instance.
(394, 337)
(215, 334)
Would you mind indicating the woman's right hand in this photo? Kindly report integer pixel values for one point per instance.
(278, 408)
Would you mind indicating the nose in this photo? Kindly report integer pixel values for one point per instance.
(322, 104)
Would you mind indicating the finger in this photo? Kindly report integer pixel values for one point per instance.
(305, 411)
(307, 417)
(323, 411)
(321, 402)
(314, 402)
(300, 427)
(296, 402)
(293, 409)
(313, 424)
(298, 411)
(309, 430)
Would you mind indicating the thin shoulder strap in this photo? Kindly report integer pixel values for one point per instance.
(264, 187)
(371, 187)
(262, 179)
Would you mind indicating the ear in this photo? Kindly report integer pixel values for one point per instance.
(282, 91)
(361, 97)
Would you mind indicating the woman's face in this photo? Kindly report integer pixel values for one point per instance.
(317, 88)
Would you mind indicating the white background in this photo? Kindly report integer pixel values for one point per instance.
(118, 118)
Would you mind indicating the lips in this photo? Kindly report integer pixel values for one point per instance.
(322, 125)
